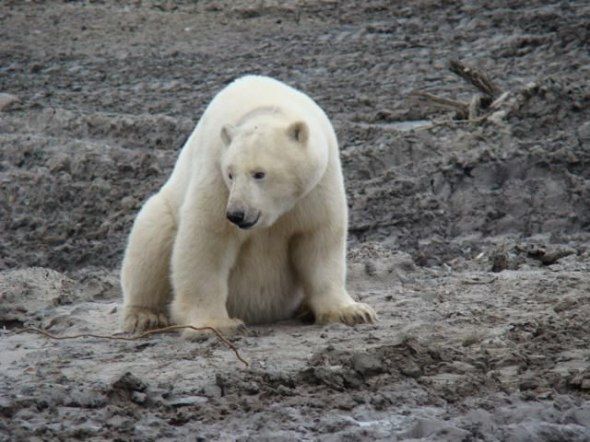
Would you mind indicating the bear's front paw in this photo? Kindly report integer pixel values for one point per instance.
(357, 313)
(137, 319)
(225, 326)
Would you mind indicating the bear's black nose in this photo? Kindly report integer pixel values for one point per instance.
(236, 217)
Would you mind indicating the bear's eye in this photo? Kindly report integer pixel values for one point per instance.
(258, 175)
(230, 176)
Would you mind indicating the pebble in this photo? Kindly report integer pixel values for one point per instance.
(6, 100)
(367, 364)
(435, 430)
(584, 131)
(138, 397)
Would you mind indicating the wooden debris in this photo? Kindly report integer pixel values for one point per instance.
(486, 105)
(460, 107)
(477, 78)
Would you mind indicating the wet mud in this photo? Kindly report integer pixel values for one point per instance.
(469, 238)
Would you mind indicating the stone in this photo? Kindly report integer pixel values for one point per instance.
(6, 100)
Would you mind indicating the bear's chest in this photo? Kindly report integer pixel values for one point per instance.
(262, 283)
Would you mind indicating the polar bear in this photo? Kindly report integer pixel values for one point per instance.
(251, 224)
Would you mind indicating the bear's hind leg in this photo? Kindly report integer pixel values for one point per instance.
(145, 274)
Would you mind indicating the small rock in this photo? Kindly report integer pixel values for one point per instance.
(370, 268)
(580, 380)
(6, 407)
(211, 391)
(250, 387)
(367, 364)
(84, 398)
(579, 416)
(435, 430)
(36, 68)
(411, 369)
(129, 382)
(528, 384)
(60, 163)
(121, 423)
(138, 397)
(566, 304)
(128, 203)
(248, 12)
(499, 261)
(584, 131)
(6, 100)
(166, 6)
(284, 391)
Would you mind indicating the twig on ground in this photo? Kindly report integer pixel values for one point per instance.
(498, 102)
(143, 335)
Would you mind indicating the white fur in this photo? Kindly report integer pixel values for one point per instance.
(183, 254)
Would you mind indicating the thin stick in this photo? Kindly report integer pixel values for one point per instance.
(143, 335)
(475, 77)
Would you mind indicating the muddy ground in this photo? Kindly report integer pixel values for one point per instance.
(471, 240)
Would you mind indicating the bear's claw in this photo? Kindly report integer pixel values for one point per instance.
(138, 319)
(357, 313)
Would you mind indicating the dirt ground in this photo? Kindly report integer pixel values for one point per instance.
(470, 239)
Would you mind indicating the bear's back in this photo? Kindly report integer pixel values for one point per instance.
(255, 91)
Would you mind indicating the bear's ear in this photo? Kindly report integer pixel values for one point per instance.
(299, 132)
(227, 134)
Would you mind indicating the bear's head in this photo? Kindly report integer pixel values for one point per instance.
(268, 165)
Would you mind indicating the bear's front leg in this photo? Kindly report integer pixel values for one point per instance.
(146, 266)
(201, 262)
(320, 260)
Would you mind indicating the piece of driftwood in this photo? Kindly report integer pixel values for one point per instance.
(485, 105)
(477, 78)
(460, 107)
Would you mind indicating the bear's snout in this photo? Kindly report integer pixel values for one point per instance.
(236, 217)
(240, 219)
